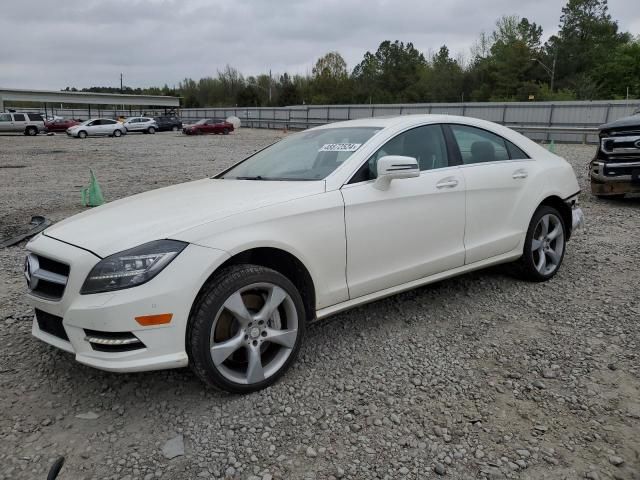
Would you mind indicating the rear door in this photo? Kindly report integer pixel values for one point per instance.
(108, 126)
(19, 122)
(496, 174)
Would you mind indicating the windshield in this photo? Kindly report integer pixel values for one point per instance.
(86, 122)
(310, 155)
(201, 122)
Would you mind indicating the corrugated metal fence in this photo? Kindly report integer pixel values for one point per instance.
(560, 121)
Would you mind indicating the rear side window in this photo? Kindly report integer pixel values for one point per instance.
(18, 117)
(108, 122)
(479, 146)
(515, 153)
(36, 117)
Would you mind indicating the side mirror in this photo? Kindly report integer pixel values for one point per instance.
(392, 167)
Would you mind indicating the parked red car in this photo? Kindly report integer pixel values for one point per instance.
(60, 124)
(208, 125)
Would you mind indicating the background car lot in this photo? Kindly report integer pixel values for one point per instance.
(479, 374)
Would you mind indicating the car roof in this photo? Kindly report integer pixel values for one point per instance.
(406, 120)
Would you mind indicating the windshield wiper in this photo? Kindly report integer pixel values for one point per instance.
(274, 179)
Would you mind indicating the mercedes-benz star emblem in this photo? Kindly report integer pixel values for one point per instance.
(31, 265)
(637, 144)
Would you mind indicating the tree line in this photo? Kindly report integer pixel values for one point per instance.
(588, 58)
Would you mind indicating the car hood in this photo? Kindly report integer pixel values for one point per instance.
(165, 212)
(631, 121)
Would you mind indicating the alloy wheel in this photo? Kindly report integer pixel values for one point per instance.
(547, 244)
(254, 333)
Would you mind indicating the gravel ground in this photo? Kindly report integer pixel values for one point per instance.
(478, 376)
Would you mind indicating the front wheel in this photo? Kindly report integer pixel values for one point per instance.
(82, 134)
(544, 245)
(225, 131)
(246, 329)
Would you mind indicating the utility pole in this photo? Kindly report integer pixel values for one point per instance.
(551, 71)
(269, 86)
(121, 83)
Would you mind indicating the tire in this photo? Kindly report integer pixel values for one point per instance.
(225, 131)
(151, 130)
(615, 196)
(541, 243)
(117, 133)
(31, 131)
(82, 134)
(253, 361)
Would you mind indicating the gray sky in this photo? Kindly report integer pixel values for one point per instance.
(51, 44)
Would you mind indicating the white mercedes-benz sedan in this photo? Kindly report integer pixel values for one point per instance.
(223, 274)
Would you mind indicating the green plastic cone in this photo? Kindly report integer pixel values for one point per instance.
(552, 147)
(92, 195)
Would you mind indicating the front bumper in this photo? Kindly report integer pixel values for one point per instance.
(172, 291)
(614, 178)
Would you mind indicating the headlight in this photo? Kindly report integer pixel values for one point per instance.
(132, 267)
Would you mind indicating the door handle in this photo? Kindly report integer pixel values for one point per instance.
(518, 174)
(447, 183)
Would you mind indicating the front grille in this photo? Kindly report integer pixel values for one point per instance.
(616, 169)
(113, 341)
(51, 324)
(621, 145)
(46, 278)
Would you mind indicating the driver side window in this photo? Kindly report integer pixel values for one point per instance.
(426, 144)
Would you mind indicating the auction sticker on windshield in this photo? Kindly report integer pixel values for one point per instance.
(340, 147)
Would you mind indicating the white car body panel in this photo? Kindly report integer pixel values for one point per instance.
(165, 212)
(358, 243)
(387, 230)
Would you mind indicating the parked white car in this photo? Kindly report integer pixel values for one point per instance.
(141, 124)
(225, 273)
(97, 127)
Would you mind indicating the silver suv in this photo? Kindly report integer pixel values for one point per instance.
(27, 123)
(141, 124)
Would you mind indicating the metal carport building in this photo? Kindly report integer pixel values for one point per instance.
(85, 98)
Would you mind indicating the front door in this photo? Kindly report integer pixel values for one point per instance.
(413, 229)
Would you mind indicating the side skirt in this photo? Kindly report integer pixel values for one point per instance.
(333, 309)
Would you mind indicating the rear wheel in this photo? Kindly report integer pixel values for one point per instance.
(225, 131)
(31, 131)
(117, 133)
(246, 329)
(544, 245)
(151, 130)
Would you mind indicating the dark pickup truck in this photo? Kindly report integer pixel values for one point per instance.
(615, 170)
